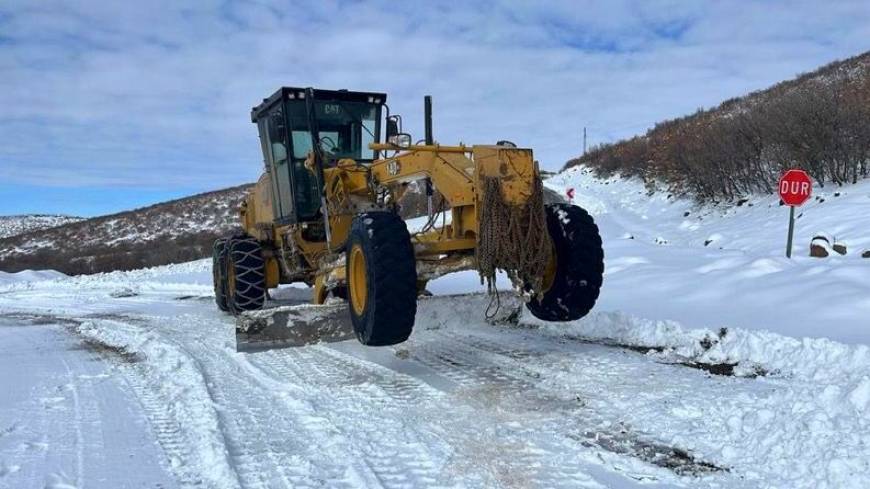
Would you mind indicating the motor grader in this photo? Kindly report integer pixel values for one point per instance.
(326, 213)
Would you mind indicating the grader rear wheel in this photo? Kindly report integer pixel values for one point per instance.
(244, 276)
(573, 277)
(381, 279)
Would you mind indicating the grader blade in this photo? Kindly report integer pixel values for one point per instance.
(289, 326)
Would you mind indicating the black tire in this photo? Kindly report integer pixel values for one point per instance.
(218, 267)
(245, 276)
(339, 292)
(390, 303)
(579, 265)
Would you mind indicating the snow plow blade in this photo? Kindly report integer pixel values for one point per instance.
(289, 326)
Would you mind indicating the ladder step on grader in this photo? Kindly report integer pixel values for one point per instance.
(326, 213)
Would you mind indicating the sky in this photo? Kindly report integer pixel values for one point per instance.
(108, 105)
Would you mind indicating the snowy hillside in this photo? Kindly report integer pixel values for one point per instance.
(170, 232)
(658, 265)
(15, 225)
(755, 225)
(819, 122)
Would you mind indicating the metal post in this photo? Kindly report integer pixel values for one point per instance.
(790, 232)
(427, 119)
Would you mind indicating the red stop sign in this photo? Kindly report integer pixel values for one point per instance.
(795, 187)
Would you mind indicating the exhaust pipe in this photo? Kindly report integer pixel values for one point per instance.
(427, 124)
(427, 121)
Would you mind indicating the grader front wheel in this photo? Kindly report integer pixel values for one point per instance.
(381, 279)
(573, 278)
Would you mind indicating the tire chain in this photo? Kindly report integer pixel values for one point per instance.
(245, 256)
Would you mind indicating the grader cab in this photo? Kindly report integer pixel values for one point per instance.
(326, 212)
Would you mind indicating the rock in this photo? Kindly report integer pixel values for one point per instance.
(741, 202)
(865, 254)
(820, 246)
(840, 248)
(686, 214)
(712, 239)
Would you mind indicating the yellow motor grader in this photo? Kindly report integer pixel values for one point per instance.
(326, 212)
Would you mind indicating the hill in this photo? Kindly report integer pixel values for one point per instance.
(170, 232)
(819, 121)
(15, 225)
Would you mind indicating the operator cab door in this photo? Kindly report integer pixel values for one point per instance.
(294, 187)
(306, 192)
(273, 137)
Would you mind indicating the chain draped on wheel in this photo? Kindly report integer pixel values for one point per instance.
(513, 238)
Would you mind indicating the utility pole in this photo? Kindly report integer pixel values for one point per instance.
(584, 140)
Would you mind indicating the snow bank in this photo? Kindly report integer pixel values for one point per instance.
(809, 358)
(29, 276)
(812, 392)
(190, 277)
(757, 226)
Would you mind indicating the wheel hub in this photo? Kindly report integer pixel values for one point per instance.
(357, 280)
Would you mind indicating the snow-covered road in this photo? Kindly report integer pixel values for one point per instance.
(464, 403)
(66, 419)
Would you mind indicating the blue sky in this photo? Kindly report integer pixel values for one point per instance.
(109, 105)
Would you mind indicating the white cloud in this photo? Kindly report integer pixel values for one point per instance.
(157, 94)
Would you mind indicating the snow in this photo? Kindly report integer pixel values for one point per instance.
(717, 365)
(741, 279)
(26, 276)
(67, 419)
(573, 407)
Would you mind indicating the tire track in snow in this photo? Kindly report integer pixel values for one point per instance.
(178, 371)
(594, 430)
(356, 399)
(480, 444)
(269, 445)
(166, 428)
(526, 418)
(471, 449)
(79, 420)
(171, 383)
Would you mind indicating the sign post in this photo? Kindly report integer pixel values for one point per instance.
(788, 245)
(795, 188)
(570, 194)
